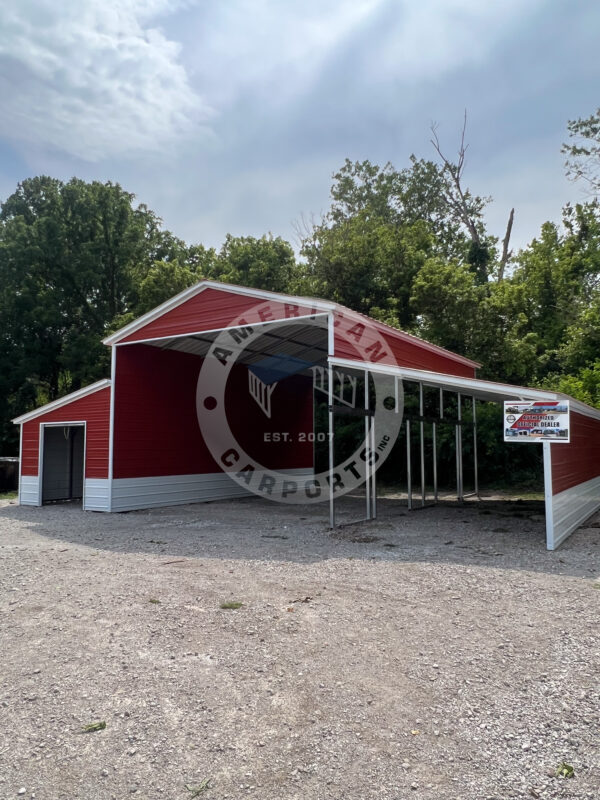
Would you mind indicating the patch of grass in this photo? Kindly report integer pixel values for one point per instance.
(231, 605)
(8, 495)
(565, 770)
(93, 727)
(198, 790)
(595, 585)
(154, 600)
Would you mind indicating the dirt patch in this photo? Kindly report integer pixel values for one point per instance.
(236, 649)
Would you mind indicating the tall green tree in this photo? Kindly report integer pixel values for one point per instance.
(266, 263)
(72, 258)
(383, 227)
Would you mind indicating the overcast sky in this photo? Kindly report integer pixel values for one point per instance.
(230, 116)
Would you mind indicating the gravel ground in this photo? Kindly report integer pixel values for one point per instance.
(440, 655)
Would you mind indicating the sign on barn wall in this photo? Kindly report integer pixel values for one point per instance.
(542, 421)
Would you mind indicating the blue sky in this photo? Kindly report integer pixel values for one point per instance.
(230, 116)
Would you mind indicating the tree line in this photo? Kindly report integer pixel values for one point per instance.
(407, 245)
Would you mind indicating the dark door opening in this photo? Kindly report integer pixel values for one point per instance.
(62, 475)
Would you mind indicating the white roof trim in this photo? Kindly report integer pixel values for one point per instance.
(455, 382)
(168, 337)
(470, 386)
(192, 291)
(63, 401)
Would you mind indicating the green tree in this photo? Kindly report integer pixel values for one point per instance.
(72, 258)
(383, 227)
(368, 265)
(266, 263)
(583, 151)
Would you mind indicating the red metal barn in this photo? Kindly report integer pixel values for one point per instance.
(220, 371)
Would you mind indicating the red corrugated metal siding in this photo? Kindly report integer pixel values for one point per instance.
(157, 430)
(211, 309)
(93, 409)
(291, 413)
(30, 450)
(578, 461)
(367, 343)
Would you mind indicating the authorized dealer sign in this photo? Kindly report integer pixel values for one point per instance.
(542, 421)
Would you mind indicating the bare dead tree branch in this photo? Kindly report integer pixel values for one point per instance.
(506, 253)
(304, 227)
(457, 199)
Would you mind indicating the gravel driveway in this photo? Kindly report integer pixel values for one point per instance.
(442, 654)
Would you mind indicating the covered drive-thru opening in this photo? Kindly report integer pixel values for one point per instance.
(225, 390)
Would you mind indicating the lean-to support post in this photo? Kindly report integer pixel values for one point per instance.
(422, 444)
(435, 479)
(547, 450)
(475, 447)
(373, 472)
(408, 468)
(331, 450)
(367, 448)
(331, 351)
(459, 464)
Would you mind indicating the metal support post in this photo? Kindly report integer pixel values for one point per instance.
(367, 448)
(422, 443)
(408, 467)
(475, 447)
(331, 450)
(373, 473)
(459, 459)
(435, 479)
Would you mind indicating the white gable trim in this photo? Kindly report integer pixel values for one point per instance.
(63, 401)
(192, 291)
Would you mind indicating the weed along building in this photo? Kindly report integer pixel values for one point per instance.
(224, 391)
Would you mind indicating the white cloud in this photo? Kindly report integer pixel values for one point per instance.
(423, 40)
(273, 49)
(92, 78)
(277, 50)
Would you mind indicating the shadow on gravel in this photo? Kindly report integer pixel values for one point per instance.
(499, 534)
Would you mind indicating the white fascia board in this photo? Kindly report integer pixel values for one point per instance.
(469, 386)
(63, 401)
(310, 317)
(581, 408)
(192, 291)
